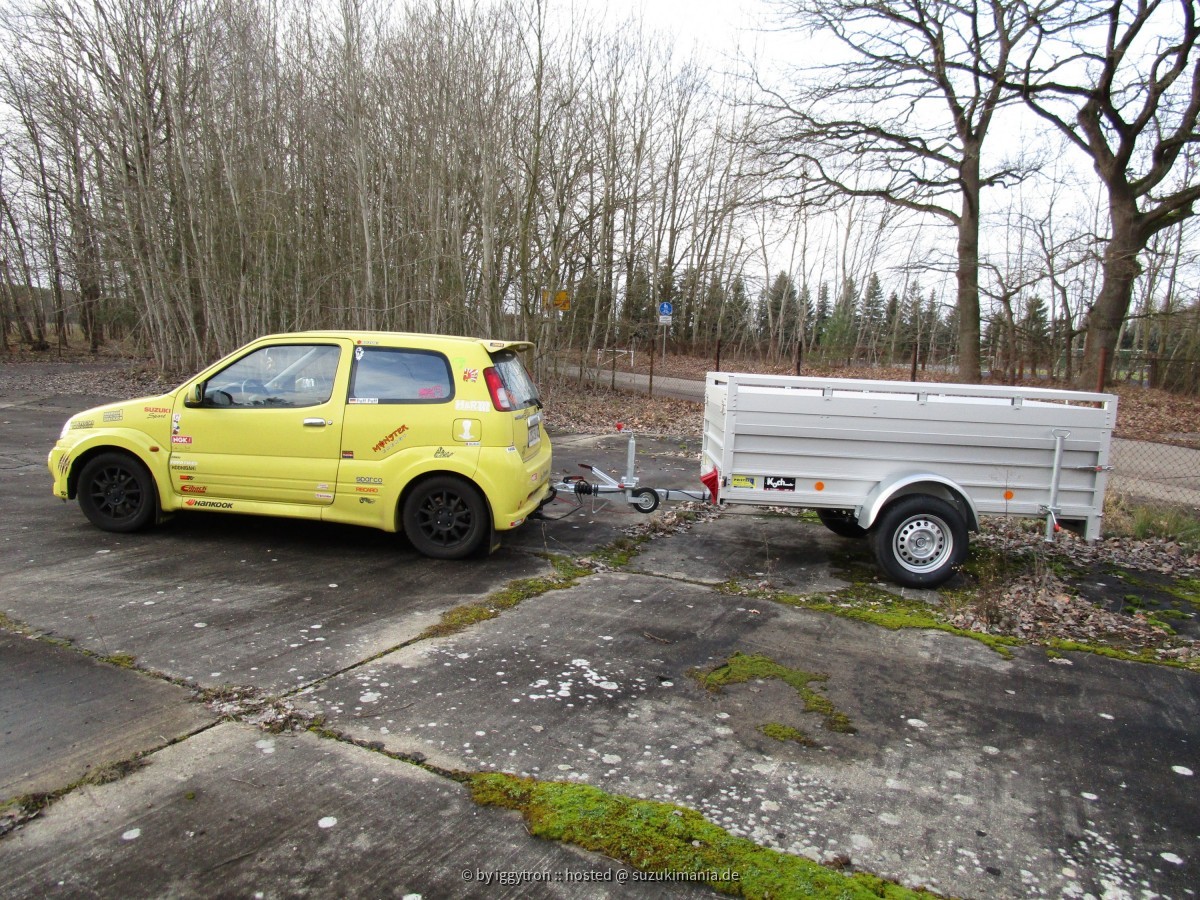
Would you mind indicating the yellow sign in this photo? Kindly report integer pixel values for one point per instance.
(742, 481)
(560, 300)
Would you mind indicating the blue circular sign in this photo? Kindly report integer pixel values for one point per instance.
(665, 308)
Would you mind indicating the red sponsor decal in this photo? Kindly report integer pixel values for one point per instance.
(193, 489)
(180, 439)
(363, 490)
(156, 409)
(187, 477)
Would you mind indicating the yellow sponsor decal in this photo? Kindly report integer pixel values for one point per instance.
(742, 481)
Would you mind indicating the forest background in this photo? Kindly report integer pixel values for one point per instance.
(998, 190)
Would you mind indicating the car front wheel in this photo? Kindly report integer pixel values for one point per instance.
(116, 492)
(446, 518)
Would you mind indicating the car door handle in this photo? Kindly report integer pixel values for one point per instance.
(315, 423)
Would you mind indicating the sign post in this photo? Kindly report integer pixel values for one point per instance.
(664, 318)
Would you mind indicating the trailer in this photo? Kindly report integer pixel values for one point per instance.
(911, 466)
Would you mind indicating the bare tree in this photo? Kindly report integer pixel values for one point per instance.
(1130, 101)
(905, 116)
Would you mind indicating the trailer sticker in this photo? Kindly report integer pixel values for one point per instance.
(779, 483)
(820, 485)
(1008, 495)
(742, 481)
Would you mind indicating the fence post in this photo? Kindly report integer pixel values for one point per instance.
(912, 376)
(717, 367)
(1103, 369)
(650, 391)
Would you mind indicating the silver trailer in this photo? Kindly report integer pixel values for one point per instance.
(911, 466)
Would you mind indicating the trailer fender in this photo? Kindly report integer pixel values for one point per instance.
(917, 483)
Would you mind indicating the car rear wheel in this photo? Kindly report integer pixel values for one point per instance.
(920, 541)
(116, 492)
(446, 518)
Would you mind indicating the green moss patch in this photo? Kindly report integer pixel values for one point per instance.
(866, 603)
(740, 668)
(672, 840)
(566, 574)
(781, 732)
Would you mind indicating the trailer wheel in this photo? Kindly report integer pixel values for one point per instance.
(645, 500)
(919, 541)
(841, 522)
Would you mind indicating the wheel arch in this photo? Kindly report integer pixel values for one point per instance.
(79, 459)
(417, 480)
(897, 486)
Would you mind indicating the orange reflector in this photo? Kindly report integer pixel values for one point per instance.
(1008, 495)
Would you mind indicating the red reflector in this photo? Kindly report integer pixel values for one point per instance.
(712, 481)
(500, 397)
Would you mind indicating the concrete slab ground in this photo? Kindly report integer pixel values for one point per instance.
(969, 773)
(64, 715)
(974, 774)
(233, 812)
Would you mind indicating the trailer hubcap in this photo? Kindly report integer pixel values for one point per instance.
(923, 543)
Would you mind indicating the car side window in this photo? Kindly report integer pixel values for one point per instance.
(287, 375)
(396, 375)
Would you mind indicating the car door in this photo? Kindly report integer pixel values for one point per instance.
(266, 427)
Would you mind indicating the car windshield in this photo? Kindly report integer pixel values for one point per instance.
(516, 380)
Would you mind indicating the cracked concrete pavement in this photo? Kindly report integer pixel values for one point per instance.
(968, 773)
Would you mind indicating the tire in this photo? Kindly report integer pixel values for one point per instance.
(645, 500)
(919, 541)
(841, 522)
(117, 493)
(446, 518)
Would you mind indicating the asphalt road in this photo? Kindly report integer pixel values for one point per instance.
(968, 773)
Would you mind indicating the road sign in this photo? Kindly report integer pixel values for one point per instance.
(665, 309)
(664, 320)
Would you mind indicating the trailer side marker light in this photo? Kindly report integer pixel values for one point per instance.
(820, 485)
(1008, 495)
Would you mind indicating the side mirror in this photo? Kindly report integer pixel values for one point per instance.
(195, 397)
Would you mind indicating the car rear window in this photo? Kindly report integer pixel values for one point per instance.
(516, 379)
(397, 375)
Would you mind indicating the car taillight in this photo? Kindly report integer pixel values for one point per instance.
(501, 399)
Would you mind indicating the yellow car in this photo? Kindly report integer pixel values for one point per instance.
(440, 437)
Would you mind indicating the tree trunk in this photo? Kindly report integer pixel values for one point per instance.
(1120, 269)
(969, 371)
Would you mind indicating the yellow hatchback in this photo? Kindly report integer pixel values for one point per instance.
(439, 437)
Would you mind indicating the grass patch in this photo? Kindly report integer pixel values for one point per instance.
(122, 660)
(673, 840)
(876, 606)
(782, 732)
(620, 552)
(566, 574)
(1186, 589)
(20, 809)
(740, 668)
(1139, 656)
(1146, 521)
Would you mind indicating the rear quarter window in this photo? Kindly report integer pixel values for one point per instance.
(516, 379)
(397, 375)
